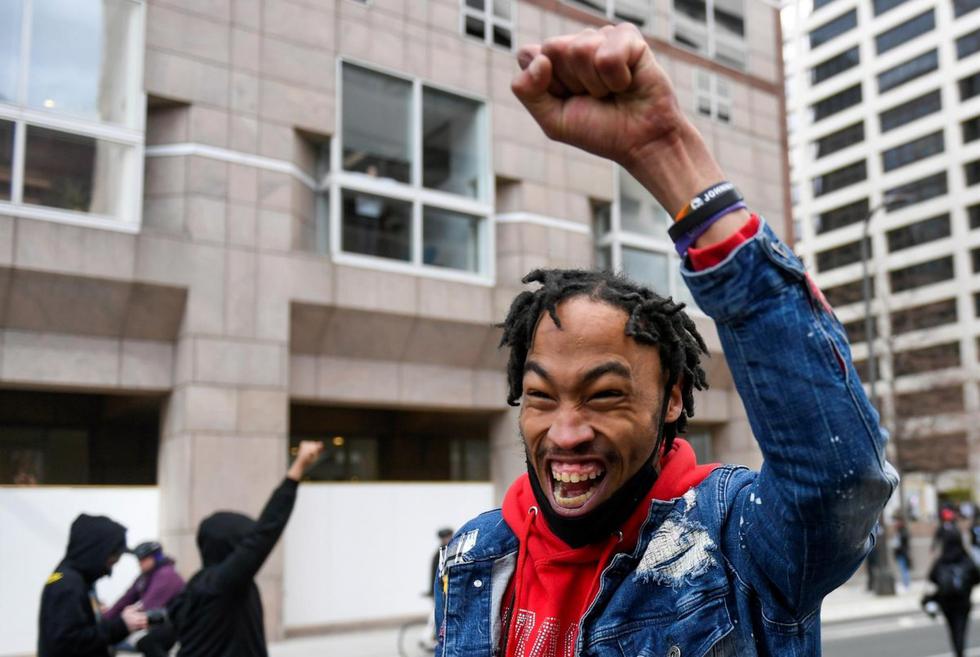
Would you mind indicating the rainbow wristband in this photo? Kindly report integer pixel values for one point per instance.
(688, 239)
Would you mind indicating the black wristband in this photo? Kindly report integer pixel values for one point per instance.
(704, 206)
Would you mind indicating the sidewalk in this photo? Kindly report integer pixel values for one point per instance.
(854, 602)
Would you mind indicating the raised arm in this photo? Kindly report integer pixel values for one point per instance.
(803, 525)
(241, 566)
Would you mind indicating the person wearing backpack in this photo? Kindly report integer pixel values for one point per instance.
(955, 574)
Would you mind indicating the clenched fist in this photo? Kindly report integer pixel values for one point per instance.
(604, 92)
(306, 455)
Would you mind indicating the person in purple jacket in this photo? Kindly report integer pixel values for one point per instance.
(157, 584)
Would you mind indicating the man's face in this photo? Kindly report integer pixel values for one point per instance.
(592, 396)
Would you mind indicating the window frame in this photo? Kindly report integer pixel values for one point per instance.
(710, 49)
(718, 103)
(131, 135)
(490, 20)
(610, 12)
(616, 238)
(336, 180)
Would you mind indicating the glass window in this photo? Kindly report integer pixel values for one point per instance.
(913, 151)
(838, 102)
(10, 26)
(857, 331)
(452, 152)
(911, 110)
(973, 212)
(844, 215)
(969, 86)
(637, 12)
(639, 211)
(49, 438)
(971, 170)
(881, 6)
(379, 444)
(905, 32)
(817, 4)
(450, 239)
(87, 74)
(847, 293)
(73, 172)
(492, 25)
(928, 230)
(648, 268)
(922, 317)
(6, 158)
(377, 124)
(839, 140)
(961, 7)
(841, 256)
(833, 28)
(968, 44)
(925, 273)
(70, 71)
(926, 359)
(715, 28)
(918, 191)
(835, 65)
(378, 226)
(381, 113)
(914, 68)
(840, 178)
(948, 399)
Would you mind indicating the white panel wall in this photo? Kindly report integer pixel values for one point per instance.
(358, 552)
(34, 525)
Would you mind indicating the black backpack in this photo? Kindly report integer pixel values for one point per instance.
(954, 579)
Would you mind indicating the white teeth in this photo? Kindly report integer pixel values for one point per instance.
(574, 478)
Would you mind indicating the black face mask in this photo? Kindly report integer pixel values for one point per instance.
(606, 518)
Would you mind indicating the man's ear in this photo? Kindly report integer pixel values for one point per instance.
(676, 404)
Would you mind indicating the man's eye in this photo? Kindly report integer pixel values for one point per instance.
(608, 394)
(537, 394)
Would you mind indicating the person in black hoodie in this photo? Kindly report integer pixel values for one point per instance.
(954, 575)
(219, 613)
(70, 623)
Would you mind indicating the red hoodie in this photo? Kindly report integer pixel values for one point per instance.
(554, 584)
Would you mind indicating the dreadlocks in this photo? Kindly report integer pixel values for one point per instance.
(652, 320)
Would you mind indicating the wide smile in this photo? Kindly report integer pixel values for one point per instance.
(575, 486)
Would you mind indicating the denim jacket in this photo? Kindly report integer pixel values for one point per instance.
(740, 564)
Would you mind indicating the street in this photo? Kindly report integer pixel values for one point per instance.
(907, 635)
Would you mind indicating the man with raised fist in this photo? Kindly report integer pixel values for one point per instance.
(615, 541)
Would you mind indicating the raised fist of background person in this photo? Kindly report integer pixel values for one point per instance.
(604, 92)
(306, 455)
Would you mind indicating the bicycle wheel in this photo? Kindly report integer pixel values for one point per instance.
(412, 640)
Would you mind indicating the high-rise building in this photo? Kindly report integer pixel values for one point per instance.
(227, 225)
(884, 119)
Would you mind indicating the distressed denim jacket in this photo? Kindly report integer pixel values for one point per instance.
(740, 564)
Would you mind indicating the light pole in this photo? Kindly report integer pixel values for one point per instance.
(880, 563)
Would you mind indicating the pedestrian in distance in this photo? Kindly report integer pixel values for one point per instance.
(955, 574)
(901, 550)
(71, 623)
(975, 538)
(615, 541)
(219, 613)
(157, 584)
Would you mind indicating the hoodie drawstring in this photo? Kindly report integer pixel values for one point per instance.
(522, 554)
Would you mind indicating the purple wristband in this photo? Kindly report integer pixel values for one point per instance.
(685, 242)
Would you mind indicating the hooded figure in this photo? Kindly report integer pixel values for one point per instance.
(954, 575)
(219, 614)
(70, 623)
